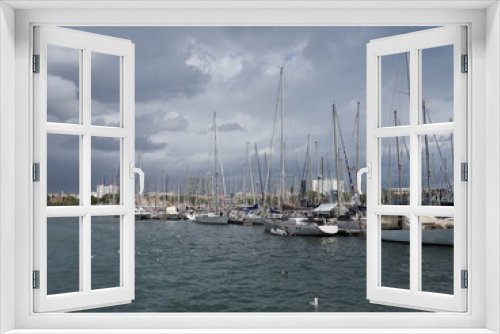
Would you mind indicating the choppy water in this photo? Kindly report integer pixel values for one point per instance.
(188, 267)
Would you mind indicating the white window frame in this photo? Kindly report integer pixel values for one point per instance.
(483, 21)
(85, 43)
(414, 43)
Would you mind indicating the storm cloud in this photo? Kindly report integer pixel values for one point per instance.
(144, 144)
(225, 127)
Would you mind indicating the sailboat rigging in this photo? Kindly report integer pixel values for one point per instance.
(218, 217)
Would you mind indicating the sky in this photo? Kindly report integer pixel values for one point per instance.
(185, 74)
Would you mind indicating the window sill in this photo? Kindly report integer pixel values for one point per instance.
(254, 331)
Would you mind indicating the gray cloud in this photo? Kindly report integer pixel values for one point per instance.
(231, 126)
(105, 144)
(64, 63)
(156, 121)
(62, 100)
(144, 144)
(175, 123)
(63, 167)
(184, 73)
(160, 70)
(225, 127)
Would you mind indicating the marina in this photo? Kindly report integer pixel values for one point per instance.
(281, 226)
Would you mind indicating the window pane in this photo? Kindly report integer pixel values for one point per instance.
(437, 169)
(63, 84)
(395, 170)
(395, 90)
(105, 89)
(105, 252)
(395, 244)
(63, 255)
(105, 171)
(63, 170)
(437, 254)
(437, 85)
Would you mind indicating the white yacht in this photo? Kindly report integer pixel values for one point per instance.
(302, 227)
(141, 213)
(171, 213)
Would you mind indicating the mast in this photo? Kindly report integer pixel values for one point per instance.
(389, 178)
(317, 165)
(400, 180)
(282, 183)
(329, 182)
(162, 179)
(216, 181)
(178, 194)
(308, 168)
(221, 168)
(186, 187)
(294, 187)
(243, 185)
(260, 175)
(432, 162)
(252, 183)
(322, 181)
(440, 193)
(357, 136)
(284, 194)
(167, 196)
(337, 159)
(427, 162)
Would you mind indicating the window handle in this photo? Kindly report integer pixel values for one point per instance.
(368, 171)
(139, 171)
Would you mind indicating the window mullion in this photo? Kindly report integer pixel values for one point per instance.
(415, 263)
(86, 120)
(373, 250)
(460, 155)
(85, 237)
(127, 236)
(86, 168)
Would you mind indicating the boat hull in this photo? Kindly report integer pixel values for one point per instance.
(172, 217)
(215, 220)
(429, 237)
(310, 229)
(143, 216)
(256, 220)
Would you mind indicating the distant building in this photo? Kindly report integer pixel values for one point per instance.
(105, 189)
(396, 190)
(325, 186)
(159, 193)
(194, 185)
(207, 184)
(62, 197)
(240, 196)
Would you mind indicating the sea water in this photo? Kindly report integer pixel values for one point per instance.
(183, 266)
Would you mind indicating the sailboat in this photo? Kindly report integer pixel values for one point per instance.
(217, 217)
(305, 226)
